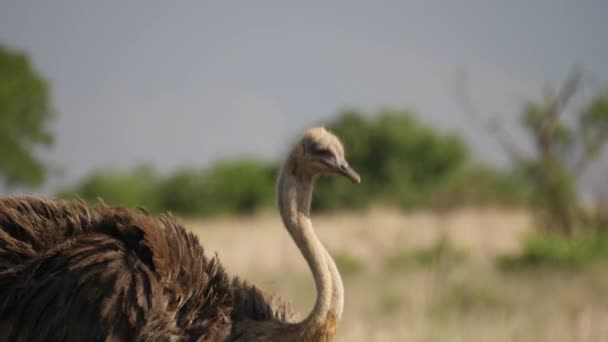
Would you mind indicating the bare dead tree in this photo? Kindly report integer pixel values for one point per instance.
(561, 151)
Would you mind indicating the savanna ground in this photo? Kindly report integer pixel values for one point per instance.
(422, 276)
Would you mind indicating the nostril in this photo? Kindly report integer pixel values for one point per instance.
(344, 166)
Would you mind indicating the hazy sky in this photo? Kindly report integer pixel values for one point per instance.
(186, 82)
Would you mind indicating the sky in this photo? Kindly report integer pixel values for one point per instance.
(185, 83)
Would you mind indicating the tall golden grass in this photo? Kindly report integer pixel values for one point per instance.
(421, 276)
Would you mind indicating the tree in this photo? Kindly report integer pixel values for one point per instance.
(25, 112)
(401, 160)
(135, 188)
(565, 141)
(236, 186)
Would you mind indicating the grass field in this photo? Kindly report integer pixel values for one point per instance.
(421, 276)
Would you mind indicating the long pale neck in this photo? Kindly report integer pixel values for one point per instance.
(337, 289)
(294, 196)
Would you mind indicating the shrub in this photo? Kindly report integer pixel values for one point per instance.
(240, 186)
(555, 250)
(481, 185)
(186, 192)
(400, 160)
(115, 187)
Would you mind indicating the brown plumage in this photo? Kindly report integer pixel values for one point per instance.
(70, 273)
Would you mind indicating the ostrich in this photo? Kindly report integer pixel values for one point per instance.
(70, 273)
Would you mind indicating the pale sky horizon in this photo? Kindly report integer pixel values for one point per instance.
(185, 83)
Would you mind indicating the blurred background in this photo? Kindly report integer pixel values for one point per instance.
(478, 128)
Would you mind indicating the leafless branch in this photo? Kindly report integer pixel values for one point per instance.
(570, 87)
(492, 124)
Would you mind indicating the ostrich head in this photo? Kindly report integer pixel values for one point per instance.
(321, 152)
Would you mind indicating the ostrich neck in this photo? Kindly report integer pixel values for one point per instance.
(294, 196)
(337, 294)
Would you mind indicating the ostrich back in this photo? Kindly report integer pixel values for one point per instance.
(70, 273)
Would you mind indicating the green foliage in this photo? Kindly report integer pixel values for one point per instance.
(138, 188)
(552, 250)
(564, 145)
(25, 113)
(593, 123)
(481, 185)
(185, 192)
(400, 160)
(241, 186)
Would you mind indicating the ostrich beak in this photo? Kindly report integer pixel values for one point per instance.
(345, 170)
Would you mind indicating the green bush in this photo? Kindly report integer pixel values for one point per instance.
(186, 192)
(555, 250)
(481, 185)
(241, 186)
(401, 160)
(138, 188)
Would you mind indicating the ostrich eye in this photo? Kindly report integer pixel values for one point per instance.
(315, 150)
(321, 152)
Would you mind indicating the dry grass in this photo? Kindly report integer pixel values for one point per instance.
(449, 298)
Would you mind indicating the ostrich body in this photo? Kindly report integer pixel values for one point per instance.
(68, 273)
